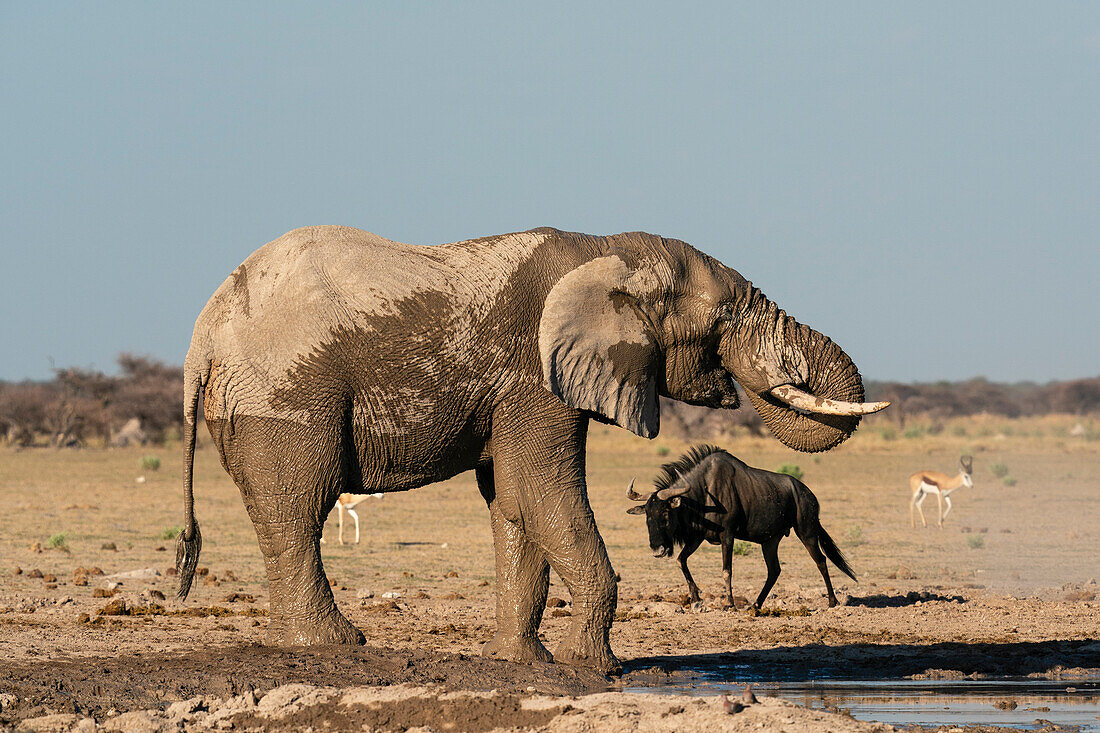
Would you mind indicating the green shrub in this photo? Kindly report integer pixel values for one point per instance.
(855, 535)
(959, 431)
(1008, 481)
(663, 450)
(741, 548)
(58, 541)
(791, 469)
(999, 470)
(888, 434)
(150, 463)
(170, 533)
(976, 541)
(917, 431)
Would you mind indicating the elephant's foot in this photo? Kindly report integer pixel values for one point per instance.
(578, 651)
(306, 631)
(517, 649)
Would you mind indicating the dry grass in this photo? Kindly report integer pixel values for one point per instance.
(1042, 532)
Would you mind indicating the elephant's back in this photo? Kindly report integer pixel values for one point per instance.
(326, 289)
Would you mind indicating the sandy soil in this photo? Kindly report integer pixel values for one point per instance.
(1008, 586)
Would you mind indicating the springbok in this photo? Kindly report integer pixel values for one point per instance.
(924, 483)
(347, 503)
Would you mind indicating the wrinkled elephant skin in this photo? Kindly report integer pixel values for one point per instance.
(333, 360)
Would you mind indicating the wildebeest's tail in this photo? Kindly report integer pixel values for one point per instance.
(833, 552)
(808, 524)
(189, 542)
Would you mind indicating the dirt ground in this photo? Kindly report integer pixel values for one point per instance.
(1007, 587)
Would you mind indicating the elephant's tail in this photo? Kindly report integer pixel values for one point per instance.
(189, 542)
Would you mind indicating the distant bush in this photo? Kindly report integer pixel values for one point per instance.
(976, 541)
(855, 535)
(999, 470)
(170, 533)
(78, 405)
(741, 548)
(1008, 481)
(663, 450)
(58, 541)
(150, 463)
(888, 433)
(791, 469)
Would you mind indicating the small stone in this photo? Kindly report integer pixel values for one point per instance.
(558, 612)
(36, 547)
(364, 593)
(117, 607)
(391, 594)
(555, 602)
(18, 571)
(161, 548)
(451, 574)
(49, 578)
(80, 579)
(483, 584)
(109, 546)
(35, 573)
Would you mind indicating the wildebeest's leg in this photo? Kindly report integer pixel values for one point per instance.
(813, 547)
(523, 580)
(771, 558)
(727, 566)
(685, 553)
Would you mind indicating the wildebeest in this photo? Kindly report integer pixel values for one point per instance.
(708, 494)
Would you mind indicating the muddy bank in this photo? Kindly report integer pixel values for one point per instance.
(402, 707)
(93, 686)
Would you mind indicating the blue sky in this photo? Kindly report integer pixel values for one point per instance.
(920, 181)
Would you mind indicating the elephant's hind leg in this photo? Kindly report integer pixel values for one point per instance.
(289, 476)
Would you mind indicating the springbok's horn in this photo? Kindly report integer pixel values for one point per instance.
(795, 397)
(632, 494)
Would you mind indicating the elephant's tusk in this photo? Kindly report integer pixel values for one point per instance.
(795, 397)
(634, 495)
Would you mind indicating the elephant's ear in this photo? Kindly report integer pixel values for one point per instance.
(598, 351)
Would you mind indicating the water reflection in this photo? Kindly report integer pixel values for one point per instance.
(1025, 704)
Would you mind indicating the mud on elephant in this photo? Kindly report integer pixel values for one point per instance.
(333, 360)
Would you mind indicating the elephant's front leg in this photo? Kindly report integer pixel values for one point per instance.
(523, 580)
(540, 490)
(568, 534)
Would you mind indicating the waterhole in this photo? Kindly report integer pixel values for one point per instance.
(1025, 704)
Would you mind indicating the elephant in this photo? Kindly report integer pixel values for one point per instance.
(336, 361)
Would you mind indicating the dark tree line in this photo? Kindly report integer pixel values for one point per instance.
(979, 396)
(84, 406)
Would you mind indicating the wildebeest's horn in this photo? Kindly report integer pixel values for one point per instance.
(672, 491)
(634, 495)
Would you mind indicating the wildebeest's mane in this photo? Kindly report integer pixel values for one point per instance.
(672, 471)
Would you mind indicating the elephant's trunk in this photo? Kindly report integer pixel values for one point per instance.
(806, 389)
